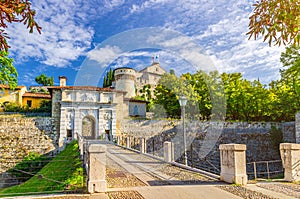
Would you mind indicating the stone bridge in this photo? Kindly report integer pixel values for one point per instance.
(155, 171)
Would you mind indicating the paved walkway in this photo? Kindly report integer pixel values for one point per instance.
(165, 181)
(161, 183)
(177, 192)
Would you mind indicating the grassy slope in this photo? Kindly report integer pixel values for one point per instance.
(64, 172)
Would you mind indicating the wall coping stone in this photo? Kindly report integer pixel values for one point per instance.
(96, 148)
(236, 147)
(290, 146)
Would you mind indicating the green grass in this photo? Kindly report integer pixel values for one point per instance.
(62, 173)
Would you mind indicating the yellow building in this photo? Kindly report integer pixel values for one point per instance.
(33, 100)
(8, 95)
(21, 97)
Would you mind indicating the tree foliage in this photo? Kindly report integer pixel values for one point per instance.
(44, 80)
(8, 73)
(18, 11)
(278, 21)
(245, 100)
(108, 78)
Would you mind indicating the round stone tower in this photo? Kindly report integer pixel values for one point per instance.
(125, 81)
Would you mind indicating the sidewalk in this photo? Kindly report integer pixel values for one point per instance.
(175, 192)
(185, 192)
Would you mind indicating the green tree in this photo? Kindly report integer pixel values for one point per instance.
(278, 21)
(8, 73)
(108, 78)
(286, 89)
(18, 11)
(291, 60)
(44, 80)
(167, 100)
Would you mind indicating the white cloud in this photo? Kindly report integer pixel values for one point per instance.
(218, 27)
(104, 55)
(63, 38)
(146, 4)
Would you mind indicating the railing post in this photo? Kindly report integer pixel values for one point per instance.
(254, 167)
(142, 145)
(168, 151)
(290, 156)
(97, 168)
(118, 140)
(192, 158)
(153, 147)
(233, 163)
(128, 140)
(268, 170)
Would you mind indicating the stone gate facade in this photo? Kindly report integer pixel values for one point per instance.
(72, 105)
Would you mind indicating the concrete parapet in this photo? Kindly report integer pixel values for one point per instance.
(233, 163)
(168, 151)
(97, 168)
(290, 155)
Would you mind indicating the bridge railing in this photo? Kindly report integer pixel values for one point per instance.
(93, 154)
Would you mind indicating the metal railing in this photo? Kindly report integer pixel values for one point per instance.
(265, 169)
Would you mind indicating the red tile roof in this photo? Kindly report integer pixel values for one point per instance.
(90, 88)
(7, 86)
(37, 95)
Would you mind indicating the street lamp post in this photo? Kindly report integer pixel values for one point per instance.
(182, 102)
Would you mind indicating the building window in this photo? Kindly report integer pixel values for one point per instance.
(29, 103)
(69, 134)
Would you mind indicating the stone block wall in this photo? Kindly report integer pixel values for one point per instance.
(203, 139)
(297, 137)
(20, 136)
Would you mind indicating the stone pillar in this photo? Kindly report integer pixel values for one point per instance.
(233, 163)
(142, 145)
(80, 144)
(128, 142)
(168, 151)
(290, 156)
(297, 127)
(63, 129)
(97, 168)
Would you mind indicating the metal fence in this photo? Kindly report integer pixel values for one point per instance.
(265, 169)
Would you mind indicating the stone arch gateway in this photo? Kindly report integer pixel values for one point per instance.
(85, 111)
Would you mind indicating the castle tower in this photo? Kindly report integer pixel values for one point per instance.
(125, 81)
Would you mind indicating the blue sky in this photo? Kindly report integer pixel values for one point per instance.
(74, 34)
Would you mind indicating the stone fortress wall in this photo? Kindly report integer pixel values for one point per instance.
(256, 136)
(19, 136)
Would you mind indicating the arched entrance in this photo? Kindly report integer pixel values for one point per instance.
(88, 127)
